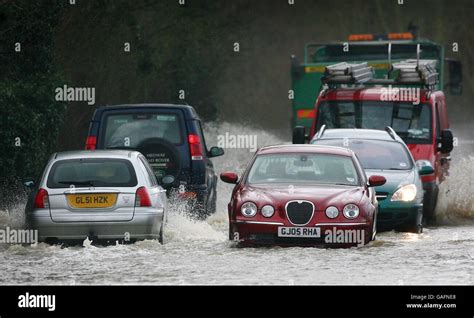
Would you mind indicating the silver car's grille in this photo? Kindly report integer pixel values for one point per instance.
(299, 212)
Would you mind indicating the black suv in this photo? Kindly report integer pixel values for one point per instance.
(171, 138)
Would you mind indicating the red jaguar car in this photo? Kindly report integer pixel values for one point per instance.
(303, 195)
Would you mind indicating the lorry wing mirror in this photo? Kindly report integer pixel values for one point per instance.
(455, 76)
(446, 141)
(299, 135)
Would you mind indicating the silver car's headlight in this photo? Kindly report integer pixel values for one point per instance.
(406, 193)
(268, 211)
(351, 211)
(332, 212)
(248, 209)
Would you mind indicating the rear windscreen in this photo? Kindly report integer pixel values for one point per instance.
(92, 173)
(129, 130)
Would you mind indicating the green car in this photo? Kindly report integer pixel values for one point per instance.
(384, 153)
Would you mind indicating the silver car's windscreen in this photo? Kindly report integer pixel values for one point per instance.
(411, 122)
(303, 168)
(129, 130)
(374, 154)
(92, 172)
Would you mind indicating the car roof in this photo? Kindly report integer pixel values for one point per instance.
(189, 110)
(79, 154)
(356, 133)
(317, 149)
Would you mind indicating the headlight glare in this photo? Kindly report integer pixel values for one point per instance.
(406, 193)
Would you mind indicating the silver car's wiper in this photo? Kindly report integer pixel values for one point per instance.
(85, 183)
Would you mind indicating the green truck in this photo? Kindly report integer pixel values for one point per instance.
(380, 51)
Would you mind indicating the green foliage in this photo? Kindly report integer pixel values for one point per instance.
(29, 115)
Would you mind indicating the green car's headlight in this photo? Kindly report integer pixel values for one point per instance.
(406, 193)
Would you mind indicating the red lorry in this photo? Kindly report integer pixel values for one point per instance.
(406, 100)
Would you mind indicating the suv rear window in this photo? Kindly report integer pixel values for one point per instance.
(92, 172)
(129, 130)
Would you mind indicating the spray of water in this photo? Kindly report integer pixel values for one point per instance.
(14, 215)
(456, 196)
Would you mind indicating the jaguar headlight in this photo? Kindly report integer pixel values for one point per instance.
(248, 209)
(332, 212)
(351, 211)
(268, 211)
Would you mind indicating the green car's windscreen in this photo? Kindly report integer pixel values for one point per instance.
(374, 154)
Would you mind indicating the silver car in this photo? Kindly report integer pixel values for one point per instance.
(106, 195)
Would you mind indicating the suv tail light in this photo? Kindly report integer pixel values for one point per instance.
(91, 142)
(195, 147)
(142, 197)
(42, 199)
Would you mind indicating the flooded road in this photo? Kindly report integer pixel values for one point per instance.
(199, 252)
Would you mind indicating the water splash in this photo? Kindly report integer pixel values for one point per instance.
(14, 216)
(456, 194)
(182, 226)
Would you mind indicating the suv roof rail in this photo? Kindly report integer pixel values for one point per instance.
(391, 132)
(347, 73)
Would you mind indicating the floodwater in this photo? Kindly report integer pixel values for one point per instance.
(199, 252)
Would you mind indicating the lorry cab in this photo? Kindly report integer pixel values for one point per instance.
(306, 73)
(410, 104)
